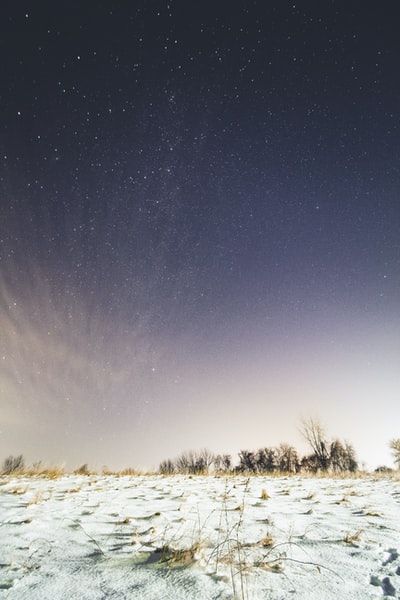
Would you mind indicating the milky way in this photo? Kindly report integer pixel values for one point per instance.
(199, 227)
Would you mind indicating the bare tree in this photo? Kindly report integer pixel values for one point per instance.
(227, 462)
(287, 459)
(336, 455)
(185, 462)
(223, 463)
(314, 434)
(309, 463)
(247, 461)
(204, 460)
(395, 448)
(342, 457)
(218, 467)
(352, 462)
(266, 460)
(192, 462)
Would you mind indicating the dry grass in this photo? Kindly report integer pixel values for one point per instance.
(343, 500)
(40, 496)
(177, 557)
(56, 472)
(372, 513)
(230, 550)
(267, 542)
(19, 491)
(352, 538)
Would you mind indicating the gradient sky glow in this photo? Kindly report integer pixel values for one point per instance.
(199, 228)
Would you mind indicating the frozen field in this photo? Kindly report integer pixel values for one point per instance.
(204, 538)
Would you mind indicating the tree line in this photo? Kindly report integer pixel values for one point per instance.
(325, 455)
(335, 456)
(284, 458)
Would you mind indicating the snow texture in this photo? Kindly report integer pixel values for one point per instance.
(200, 538)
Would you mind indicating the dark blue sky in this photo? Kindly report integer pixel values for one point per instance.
(189, 187)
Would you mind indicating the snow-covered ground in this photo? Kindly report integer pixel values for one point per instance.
(177, 537)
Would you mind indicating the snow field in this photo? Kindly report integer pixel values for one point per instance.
(177, 537)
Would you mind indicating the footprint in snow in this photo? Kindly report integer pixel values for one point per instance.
(393, 555)
(388, 589)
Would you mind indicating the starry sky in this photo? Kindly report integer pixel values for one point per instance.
(199, 227)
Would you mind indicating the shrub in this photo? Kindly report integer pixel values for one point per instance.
(167, 467)
(266, 460)
(287, 459)
(189, 463)
(82, 470)
(223, 463)
(13, 463)
(343, 457)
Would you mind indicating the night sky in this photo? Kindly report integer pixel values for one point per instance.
(199, 227)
